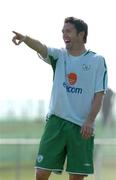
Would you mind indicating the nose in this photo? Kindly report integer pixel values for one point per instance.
(65, 36)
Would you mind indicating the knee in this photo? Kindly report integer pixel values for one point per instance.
(42, 174)
(76, 177)
(38, 174)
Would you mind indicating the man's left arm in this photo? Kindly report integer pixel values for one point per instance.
(87, 128)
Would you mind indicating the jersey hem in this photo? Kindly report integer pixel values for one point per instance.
(66, 119)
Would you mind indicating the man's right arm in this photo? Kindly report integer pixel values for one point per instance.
(32, 43)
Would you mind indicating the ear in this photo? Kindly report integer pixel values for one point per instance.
(82, 33)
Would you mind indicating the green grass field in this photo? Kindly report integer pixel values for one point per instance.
(21, 129)
(17, 161)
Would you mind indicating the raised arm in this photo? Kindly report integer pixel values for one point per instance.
(32, 43)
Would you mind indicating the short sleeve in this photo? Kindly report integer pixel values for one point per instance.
(101, 76)
(52, 55)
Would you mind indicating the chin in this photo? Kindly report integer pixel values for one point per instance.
(68, 47)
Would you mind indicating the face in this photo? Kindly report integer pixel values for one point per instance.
(71, 38)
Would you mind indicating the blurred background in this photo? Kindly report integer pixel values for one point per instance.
(26, 81)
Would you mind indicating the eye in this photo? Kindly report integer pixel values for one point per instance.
(63, 31)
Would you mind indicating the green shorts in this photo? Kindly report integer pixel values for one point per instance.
(62, 142)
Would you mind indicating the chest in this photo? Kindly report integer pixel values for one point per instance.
(84, 68)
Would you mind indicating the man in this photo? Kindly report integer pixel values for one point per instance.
(80, 81)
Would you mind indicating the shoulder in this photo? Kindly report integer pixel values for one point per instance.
(56, 53)
(56, 50)
(95, 56)
(96, 59)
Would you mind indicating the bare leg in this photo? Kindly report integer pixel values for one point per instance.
(42, 174)
(76, 177)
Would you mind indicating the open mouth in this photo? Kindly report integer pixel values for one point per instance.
(67, 41)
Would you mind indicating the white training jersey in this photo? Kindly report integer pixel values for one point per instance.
(76, 80)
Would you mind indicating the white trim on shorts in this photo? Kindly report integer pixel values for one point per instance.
(56, 171)
(59, 171)
(85, 174)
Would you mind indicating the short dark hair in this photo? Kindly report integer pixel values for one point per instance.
(79, 24)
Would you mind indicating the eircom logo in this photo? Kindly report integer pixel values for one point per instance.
(72, 89)
(72, 79)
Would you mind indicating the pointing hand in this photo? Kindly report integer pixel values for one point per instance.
(18, 38)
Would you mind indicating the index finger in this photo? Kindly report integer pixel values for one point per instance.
(15, 32)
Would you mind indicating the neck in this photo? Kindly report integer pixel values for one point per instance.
(77, 51)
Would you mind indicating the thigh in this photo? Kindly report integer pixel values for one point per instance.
(52, 151)
(76, 177)
(79, 152)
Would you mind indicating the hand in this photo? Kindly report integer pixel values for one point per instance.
(18, 37)
(87, 129)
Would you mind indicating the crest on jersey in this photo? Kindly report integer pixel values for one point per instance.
(86, 67)
(72, 78)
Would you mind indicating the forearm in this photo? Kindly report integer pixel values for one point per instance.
(87, 127)
(32, 43)
(96, 106)
(36, 45)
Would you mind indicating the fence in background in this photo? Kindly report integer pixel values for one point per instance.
(25, 141)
